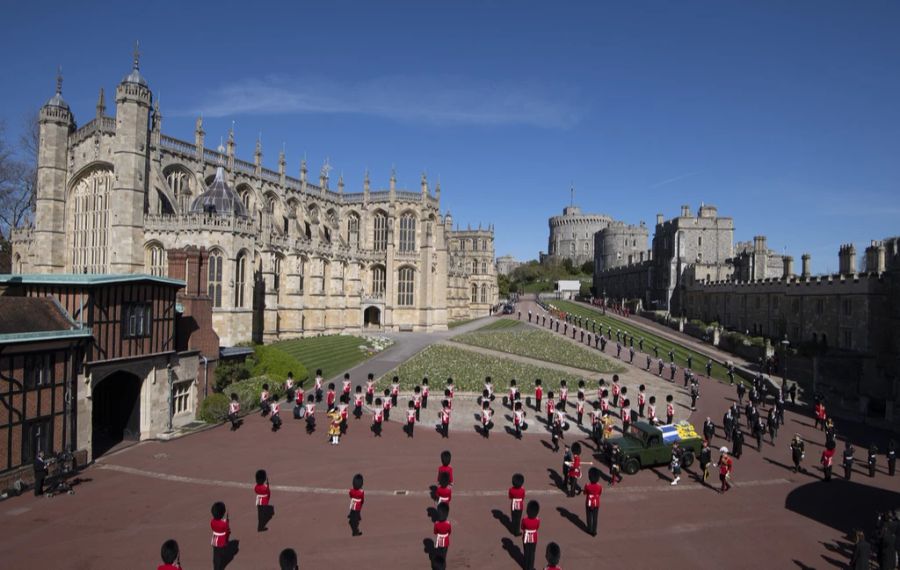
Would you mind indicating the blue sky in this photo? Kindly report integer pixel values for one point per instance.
(783, 114)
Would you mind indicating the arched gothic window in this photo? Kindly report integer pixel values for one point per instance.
(214, 281)
(484, 267)
(240, 280)
(379, 239)
(182, 185)
(474, 292)
(405, 287)
(378, 281)
(90, 222)
(353, 230)
(156, 261)
(407, 232)
(484, 296)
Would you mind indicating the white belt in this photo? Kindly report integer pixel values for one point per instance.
(443, 500)
(529, 536)
(259, 499)
(442, 540)
(517, 504)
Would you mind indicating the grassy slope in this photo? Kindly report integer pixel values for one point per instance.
(333, 354)
(650, 339)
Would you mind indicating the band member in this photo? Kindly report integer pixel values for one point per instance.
(288, 560)
(425, 392)
(370, 389)
(264, 398)
(445, 419)
(395, 391)
(443, 493)
(377, 417)
(442, 530)
(334, 425)
(530, 525)
(642, 399)
(651, 411)
(221, 535)
(263, 496)
(330, 396)
(486, 417)
(592, 493)
(310, 414)
(563, 394)
(318, 385)
(358, 403)
(554, 555)
(675, 464)
(417, 400)
(411, 413)
(538, 395)
(670, 409)
(445, 466)
(289, 387)
(357, 499)
(275, 418)
(170, 556)
(516, 502)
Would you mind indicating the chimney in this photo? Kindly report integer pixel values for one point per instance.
(659, 219)
(805, 267)
(788, 262)
(686, 211)
(875, 257)
(847, 259)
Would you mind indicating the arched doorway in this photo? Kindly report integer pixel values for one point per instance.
(372, 317)
(116, 412)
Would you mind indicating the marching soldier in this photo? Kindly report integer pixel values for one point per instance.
(738, 442)
(651, 411)
(357, 498)
(670, 409)
(263, 496)
(530, 525)
(728, 424)
(741, 390)
(516, 502)
(442, 529)
(554, 555)
(642, 397)
(827, 460)
(221, 535)
(592, 493)
(370, 389)
(170, 556)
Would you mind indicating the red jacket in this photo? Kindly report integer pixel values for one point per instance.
(263, 494)
(357, 498)
(530, 528)
(448, 469)
(444, 494)
(592, 493)
(517, 498)
(442, 530)
(221, 532)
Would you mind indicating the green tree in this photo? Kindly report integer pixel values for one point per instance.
(587, 267)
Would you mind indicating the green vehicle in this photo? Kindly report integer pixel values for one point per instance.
(647, 445)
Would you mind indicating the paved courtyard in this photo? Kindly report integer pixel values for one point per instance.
(133, 500)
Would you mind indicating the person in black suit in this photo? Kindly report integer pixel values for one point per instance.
(40, 473)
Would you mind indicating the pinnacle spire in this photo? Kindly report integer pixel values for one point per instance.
(137, 55)
(59, 80)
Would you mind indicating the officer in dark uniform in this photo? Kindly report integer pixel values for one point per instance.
(40, 473)
(740, 392)
(737, 442)
(892, 457)
(873, 458)
(847, 460)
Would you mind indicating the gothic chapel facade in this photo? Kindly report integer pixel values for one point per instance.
(287, 257)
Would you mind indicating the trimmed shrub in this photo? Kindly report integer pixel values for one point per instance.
(214, 408)
(229, 372)
(248, 391)
(275, 363)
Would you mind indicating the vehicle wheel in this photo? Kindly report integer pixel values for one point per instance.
(687, 459)
(631, 466)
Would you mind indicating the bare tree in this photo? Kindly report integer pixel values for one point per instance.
(18, 177)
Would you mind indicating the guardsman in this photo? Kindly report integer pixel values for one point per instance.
(357, 499)
(616, 389)
(289, 387)
(651, 411)
(425, 393)
(847, 459)
(642, 399)
(410, 418)
(550, 408)
(330, 396)
(275, 418)
(445, 466)
(443, 493)
(287, 560)
(579, 407)
(554, 555)
(318, 385)
(626, 415)
(344, 411)
(170, 556)
(726, 468)
(872, 459)
(516, 502)
(518, 419)
(377, 417)
(530, 525)
(234, 408)
(386, 404)
(487, 415)
(346, 384)
(358, 403)
(670, 409)
(442, 529)
(310, 414)
(563, 394)
(263, 496)
(592, 493)
(445, 419)
(221, 535)
(395, 391)
(513, 392)
(538, 394)
(370, 389)
(264, 400)
(417, 400)
(827, 462)
(574, 470)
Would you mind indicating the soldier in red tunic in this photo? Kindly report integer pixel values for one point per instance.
(574, 472)
(563, 394)
(386, 405)
(310, 414)
(516, 502)
(263, 495)
(820, 415)
(615, 391)
(318, 385)
(411, 418)
(377, 417)
(442, 530)
(530, 525)
(642, 399)
(346, 384)
(626, 415)
(554, 555)
(827, 461)
(358, 403)
(425, 393)
(538, 395)
(357, 498)
(275, 418)
(592, 493)
(487, 415)
(370, 389)
(443, 493)
(550, 408)
(170, 556)
(395, 390)
(518, 418)
(330, 396)
(445, 466)
(234, 408)
(417, 400)
(670, 409)
(287, 560)
(445, 418)
(579, 407)
(221, 535)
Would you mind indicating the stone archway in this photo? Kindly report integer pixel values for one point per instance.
(115, 412)
(372, 317)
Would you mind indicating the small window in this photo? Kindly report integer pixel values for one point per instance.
(35, 437)
(37, 371)
(181, 396)
(405, 287)
(214, 281)
(137, 320)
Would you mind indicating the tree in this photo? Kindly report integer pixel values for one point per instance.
(587, 267)
(18, 177)
(503, 285)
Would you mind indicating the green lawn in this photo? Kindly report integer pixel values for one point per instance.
(650, 339)
(454, 324)
(333, 354)
(468, 369)
(541, 345)
(499, 324)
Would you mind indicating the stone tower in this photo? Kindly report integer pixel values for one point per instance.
(56, 122)
(131, 165)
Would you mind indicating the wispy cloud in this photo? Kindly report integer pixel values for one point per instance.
(425, 99)
(674, 179)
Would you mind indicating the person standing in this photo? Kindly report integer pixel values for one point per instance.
(530, 525)
(554, 555)
(377, 417)
(234, 409)
(651, 411)
(538, 395)
(592, 492)
(872, 459)
(289, 387)
(518, 419)
(728, 424)
(670, 410)
(317, 385)
(40, 473)
(442, 529)
(847, 459)
(709, 368)
(772, 426)
(170, 555)
(741, 389)
(709, 429)
(516, 496)
(892, 457)
(705, 459)
(445, 466)
(642, 399)
(263, 496)
(695, 393)
(445, 419)
(738, 442)
(798, 452)
(887, 545)
(370, 389)
(726, 468)
(675, 464)
(221, 535)
(827, 461)
(411, 418)
(357, 498)
(288, 560)
(862, 552)
(820, 415)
